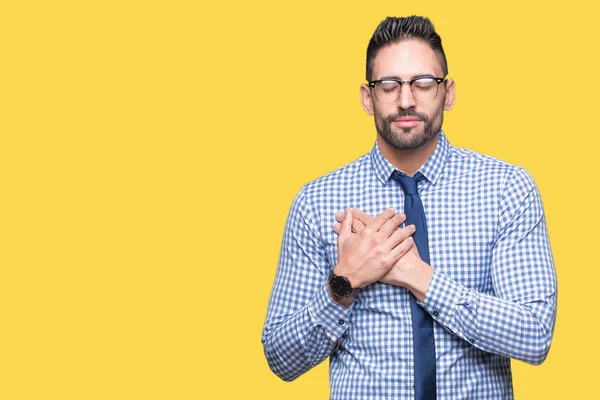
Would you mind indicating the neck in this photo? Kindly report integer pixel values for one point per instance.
(408, 161)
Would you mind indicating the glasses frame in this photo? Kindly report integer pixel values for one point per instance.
(372, 85)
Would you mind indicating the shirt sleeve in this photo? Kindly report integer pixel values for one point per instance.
(518, 320)
(303, 322)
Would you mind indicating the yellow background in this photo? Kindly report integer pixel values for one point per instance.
(150, 151)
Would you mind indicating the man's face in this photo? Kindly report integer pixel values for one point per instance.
(408, 123)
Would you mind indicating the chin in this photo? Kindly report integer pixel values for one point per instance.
(407, 141)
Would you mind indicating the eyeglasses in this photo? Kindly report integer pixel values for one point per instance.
(423, 89)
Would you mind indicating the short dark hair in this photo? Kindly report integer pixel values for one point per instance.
(394, 30)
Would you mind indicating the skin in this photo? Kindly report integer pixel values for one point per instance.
(374, 249)
(407, 60)
(368, 255)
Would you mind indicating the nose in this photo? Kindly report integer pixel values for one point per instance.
(406, 99)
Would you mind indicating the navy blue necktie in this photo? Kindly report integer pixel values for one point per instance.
(423, 341)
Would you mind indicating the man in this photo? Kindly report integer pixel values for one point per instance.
(431, 302)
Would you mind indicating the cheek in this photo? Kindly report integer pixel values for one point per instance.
(434, 111)
(381, 113)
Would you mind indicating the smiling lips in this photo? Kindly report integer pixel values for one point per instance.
(407, 122)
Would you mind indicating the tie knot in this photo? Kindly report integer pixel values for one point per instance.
(408, 183)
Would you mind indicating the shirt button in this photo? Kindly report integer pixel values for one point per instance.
(341, 322)
(435, 313)
(471, 340)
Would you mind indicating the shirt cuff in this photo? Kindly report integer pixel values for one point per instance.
(442, 297)
(329, 314)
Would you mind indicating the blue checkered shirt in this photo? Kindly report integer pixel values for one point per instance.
(492, 295)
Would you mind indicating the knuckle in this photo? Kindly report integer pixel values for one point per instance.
(386, 259)
(399, 235)
(379, 264)
(373, 242)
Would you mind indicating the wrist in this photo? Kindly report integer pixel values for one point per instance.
(418, 280)
(341, 288)
(341, 270)
(345, 301)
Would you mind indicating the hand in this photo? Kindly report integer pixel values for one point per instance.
(366, 257)
(359, 220)
(409, 271)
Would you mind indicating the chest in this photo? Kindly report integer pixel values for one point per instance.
(461, 222)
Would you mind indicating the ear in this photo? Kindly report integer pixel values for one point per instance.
(450, 95)
(366, 99)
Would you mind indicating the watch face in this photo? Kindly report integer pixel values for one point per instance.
(340, 285)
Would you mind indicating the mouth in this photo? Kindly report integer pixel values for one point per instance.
(407, 122)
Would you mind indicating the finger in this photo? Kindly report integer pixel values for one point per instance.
(415, 250)
(357, 226)
(346, 229)
(379, 220)
(392, 224)
(404, 247)
(337, 228)
(363, 217)
(399, 237)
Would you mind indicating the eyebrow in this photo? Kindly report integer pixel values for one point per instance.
(414, 77)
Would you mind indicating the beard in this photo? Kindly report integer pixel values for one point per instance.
(407, 140)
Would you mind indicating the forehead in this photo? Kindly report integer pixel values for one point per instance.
(406, 60)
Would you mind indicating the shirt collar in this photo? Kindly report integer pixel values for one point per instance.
(432, 168)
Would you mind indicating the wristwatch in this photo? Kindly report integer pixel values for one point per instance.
(340, 286)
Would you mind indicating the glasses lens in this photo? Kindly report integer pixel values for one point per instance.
(387, 91)
(425, 89)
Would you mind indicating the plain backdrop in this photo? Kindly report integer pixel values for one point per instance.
(150, 151)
